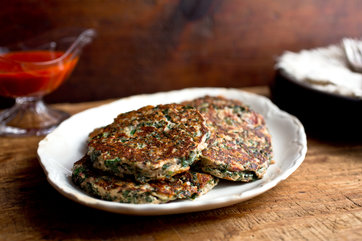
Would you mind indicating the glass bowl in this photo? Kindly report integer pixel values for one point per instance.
(31, 69)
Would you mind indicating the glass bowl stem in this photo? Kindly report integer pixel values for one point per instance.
(28, 117)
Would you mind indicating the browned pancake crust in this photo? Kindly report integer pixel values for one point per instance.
(99, 184)
(239, 147)
(151, 143)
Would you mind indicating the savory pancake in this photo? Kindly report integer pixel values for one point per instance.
(100, 184)
(239, 146)
(152, 143)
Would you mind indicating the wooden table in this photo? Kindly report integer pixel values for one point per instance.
(322, 200)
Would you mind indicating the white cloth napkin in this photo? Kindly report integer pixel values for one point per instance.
(324, 68)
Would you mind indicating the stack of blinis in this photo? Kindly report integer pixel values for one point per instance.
(157, 154)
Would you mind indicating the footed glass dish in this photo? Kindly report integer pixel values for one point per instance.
(31, 69)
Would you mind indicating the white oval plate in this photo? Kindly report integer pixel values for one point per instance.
(59, 150)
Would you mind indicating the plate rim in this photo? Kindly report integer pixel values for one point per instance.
(175, 207)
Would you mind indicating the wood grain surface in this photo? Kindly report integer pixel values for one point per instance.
(145, 46)
(322, 200)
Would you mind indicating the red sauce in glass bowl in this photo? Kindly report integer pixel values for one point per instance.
(33, 73)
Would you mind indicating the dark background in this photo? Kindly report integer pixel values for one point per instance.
(146, 46)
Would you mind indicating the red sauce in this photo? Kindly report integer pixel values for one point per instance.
(23, 77)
